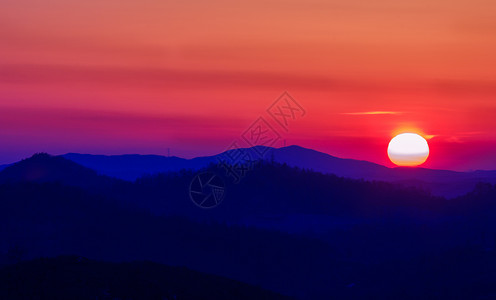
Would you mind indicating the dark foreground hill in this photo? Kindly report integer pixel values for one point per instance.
(48, 219)
(298, 233)
(76, 278)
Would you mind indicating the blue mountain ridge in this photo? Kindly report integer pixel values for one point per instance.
(439, 182)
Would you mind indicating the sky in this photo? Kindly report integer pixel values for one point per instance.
(126, 76)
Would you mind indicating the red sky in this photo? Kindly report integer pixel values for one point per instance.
(142, 76)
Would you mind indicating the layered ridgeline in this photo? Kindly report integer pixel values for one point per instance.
(299, 233)
(72, 277)
(440, 182)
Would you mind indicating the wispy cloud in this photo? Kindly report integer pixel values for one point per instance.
(373, 113)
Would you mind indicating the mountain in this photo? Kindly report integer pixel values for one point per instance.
(133, 166)
(71, 277)
(92, 170)
(292, 231)
(48, 219)
(299, 233)
(439, 182)
(43, 167)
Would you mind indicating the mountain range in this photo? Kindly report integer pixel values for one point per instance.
(292, 231)
(445, 183)
(439, 182)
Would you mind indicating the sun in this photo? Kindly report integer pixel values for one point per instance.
(408, 149)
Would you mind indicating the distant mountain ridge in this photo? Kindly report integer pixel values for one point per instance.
(133, 166)
(43, 167)
(85, 169)
(440, 182)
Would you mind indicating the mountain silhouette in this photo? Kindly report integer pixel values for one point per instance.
(43, 167)
(48, 219)
(440, 182)
(93, 170)
(133, 166)
(292, 231)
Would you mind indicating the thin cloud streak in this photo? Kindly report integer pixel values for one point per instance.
(374, 113)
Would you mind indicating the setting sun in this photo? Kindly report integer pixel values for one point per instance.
(408, 149)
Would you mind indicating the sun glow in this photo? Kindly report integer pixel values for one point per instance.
(408, 149)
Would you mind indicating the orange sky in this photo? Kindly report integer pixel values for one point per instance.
(141, 76)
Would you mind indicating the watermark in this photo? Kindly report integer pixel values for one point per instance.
(207, 190)
(260, 133)
(285, 109)
(235, 162)
(254, 143)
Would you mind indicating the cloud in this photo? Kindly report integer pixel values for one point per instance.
(373, 113)
(157, 77)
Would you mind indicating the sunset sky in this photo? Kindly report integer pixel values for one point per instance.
(122, 76)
